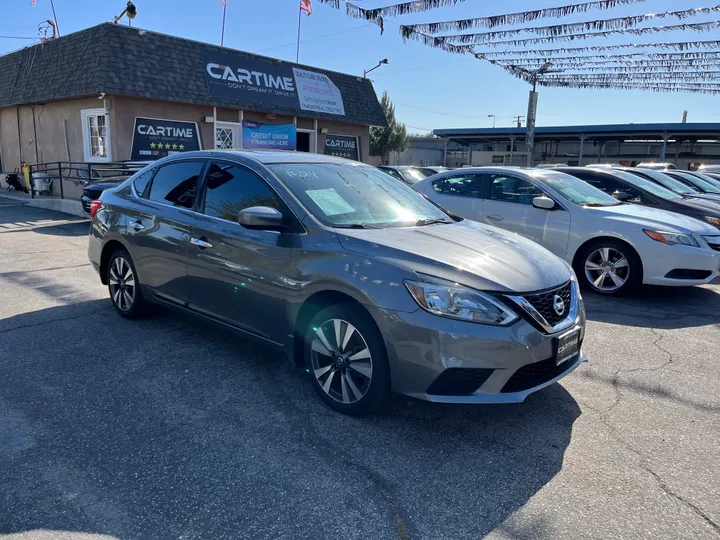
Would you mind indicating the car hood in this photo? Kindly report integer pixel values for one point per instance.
(470, 253)
(707, 205)
(652, 218)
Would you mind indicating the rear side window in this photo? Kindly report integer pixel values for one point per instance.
(176, 183)
(612, 186)
(232, 188)
(141, 182)
(466, 185)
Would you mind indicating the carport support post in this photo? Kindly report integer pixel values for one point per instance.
(512, 148)
(445, 153)
(582, 147)
(664, 147)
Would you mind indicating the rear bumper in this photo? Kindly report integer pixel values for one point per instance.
(489, 364)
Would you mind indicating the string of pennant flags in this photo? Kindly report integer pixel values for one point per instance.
(637, 65)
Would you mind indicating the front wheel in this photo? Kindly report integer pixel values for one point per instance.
(610, 267)
(347, 360)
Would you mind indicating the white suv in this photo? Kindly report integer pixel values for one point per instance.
(613, 246)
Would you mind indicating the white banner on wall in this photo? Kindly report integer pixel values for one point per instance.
(318, 93)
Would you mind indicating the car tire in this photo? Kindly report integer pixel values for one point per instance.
(124, 286)
(609, 267)
(351, 374)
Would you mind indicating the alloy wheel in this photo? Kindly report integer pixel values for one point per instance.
(341, 361)
(607, 269)
(122, 284)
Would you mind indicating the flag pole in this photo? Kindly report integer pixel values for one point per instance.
(297, 55)
(222, 35)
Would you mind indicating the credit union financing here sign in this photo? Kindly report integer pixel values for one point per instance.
(154, 138)
(235, 76)
(269, 136)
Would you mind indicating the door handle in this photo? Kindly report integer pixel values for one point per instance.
(199, 242)
(495, 217)
(137, 226)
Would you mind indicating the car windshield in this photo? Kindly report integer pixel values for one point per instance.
(709, 179)
(647, 185)
(573, 189)
(666, 181)
(706, 187)
(356, 196)
(413, 176)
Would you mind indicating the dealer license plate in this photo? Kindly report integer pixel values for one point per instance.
(567, 346)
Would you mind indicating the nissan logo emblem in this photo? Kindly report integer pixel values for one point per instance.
(558, 304)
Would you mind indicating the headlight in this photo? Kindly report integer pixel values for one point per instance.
(451, 300)
(713, 220)
(672, 238)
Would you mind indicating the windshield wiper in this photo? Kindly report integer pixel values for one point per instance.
(430, 221)
(600, 205)
(358, 226)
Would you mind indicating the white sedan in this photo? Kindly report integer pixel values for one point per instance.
(614, 247)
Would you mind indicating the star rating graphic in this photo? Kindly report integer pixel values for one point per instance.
(182, 147)
(152, 145)
(167, 146)
(174, 146)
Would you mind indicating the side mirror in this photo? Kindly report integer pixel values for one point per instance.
(544, 203)
(261, 218)
(621, 196)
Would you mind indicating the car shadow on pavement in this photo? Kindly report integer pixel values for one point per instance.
(76, 228)
(657, 307)
(168, 427)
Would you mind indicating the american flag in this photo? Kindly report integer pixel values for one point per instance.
(306, 6)
(32, 2)
(223, 3)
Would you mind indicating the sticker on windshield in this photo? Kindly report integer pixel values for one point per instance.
(330, 202)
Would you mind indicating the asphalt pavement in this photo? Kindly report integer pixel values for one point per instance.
(170, 428)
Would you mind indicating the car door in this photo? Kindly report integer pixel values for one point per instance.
(238, 275)
(510, 206)
(460, 194)
(158, 231)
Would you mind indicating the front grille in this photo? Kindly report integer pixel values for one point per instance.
(533, 375)
(544, 303)
(459, 381)
(716, 247)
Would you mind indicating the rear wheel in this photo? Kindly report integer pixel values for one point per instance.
(609, 267)
(123, 285)
(346, 356)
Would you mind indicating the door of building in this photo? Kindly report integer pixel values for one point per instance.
(228, 136)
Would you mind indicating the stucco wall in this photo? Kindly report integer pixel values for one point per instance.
(47, 132)
(50, 117)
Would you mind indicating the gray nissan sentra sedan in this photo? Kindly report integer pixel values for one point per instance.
(355, 276)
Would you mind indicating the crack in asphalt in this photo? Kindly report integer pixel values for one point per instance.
(604, 418)
(51, 321)
(329, 451)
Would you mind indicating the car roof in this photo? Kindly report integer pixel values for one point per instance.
(267, 157)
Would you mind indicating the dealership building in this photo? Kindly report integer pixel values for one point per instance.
(114, 93)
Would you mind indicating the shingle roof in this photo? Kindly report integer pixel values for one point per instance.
(120, 60)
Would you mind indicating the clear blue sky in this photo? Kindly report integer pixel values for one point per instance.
(430, 88)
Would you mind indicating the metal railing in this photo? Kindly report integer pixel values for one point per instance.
(78, 173)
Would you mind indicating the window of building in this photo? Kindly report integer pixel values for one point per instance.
(96, 134)
(513, 190)
(176, 183)
(232, 188)
(465, 185)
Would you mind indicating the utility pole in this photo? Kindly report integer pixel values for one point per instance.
(519, 120)
(532, 78)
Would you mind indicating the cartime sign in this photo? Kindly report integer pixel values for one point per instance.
(235, 76)
(154, 138)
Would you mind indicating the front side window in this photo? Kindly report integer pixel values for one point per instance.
(573, 189)
(176, 183)
(463, 185)
(356, 196)
(231, 188)
(96, 134)
(513, 189)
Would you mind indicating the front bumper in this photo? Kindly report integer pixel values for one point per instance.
(507, 363)
(659, 261)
